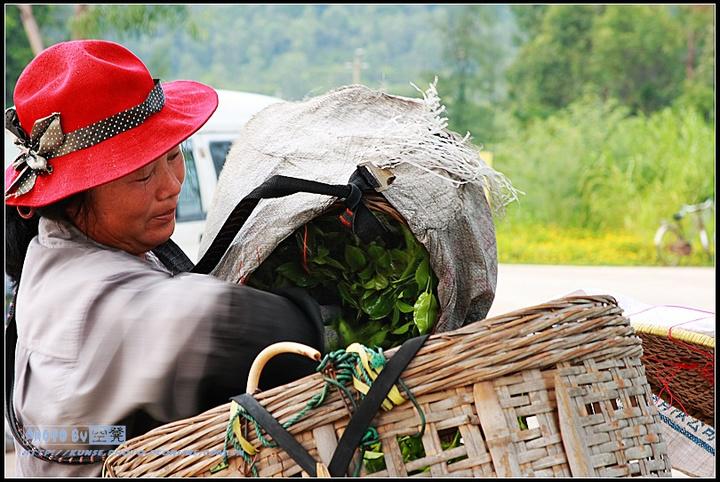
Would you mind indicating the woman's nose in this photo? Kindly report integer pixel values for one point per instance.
(171, 183)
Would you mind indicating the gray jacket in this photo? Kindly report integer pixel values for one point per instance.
(107, 338)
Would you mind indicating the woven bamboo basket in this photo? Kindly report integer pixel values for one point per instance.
(554, 390)
(680, 368)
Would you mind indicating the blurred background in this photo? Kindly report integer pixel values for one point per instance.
(603, 115)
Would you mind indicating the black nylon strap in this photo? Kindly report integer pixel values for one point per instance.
(371, 404)
(173, 257)
(274, 187)
(281, 436)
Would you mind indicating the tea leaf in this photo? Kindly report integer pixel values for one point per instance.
(395, 316)
(346, 333)
(378, 306)
(346, 296)
(355, 258)
(294, 273)
(411, 447)
(375, 252)
(398, 259)
(403, 329)
(367, 273)
(409, 292)
(379, 282)
(425, 312)
(376, 288)
(404, 307)
(369, 455)
(378, 338)
(422, 274)
(384, 262)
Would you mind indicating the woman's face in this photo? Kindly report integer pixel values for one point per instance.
(136, 213)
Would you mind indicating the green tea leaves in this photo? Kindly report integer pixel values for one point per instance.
(384, 295)
(422, 275)
(355, 258)
(425, 312)
(378, 305)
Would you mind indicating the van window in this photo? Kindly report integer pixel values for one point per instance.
(189, 205)
(218, 152)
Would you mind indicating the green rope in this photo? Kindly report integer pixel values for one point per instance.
(347, 366)
(229, 437)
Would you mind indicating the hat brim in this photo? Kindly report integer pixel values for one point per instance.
(188, 106)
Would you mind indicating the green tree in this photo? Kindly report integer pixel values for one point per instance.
(472, 59)
(551, 68)
(91, 21)
(58, 23)
(52, 20)
(699, 83)
(638, 56)
(529, 20)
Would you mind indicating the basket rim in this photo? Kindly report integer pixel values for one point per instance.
(677, 333)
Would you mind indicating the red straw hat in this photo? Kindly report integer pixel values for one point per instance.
(88, 112)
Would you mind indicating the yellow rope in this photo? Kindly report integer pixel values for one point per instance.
(244, 443)
(394, 396)
(677, 333)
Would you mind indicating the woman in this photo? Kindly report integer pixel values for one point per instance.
(108, 335)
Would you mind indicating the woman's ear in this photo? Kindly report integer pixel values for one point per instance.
(78, 210)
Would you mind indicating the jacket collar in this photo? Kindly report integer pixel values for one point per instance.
(64, 234)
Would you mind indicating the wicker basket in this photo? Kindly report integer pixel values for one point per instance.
(681, 368)
(569, 369)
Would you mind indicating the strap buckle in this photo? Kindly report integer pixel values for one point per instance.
(379, 177)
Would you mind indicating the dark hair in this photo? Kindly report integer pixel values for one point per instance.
(19, 231)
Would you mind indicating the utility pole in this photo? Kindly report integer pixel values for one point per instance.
(357, 65)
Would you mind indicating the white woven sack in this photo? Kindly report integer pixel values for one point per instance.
(440, 185)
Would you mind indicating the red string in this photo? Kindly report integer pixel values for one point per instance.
(665, 381)
(305, 250)
(705, 369)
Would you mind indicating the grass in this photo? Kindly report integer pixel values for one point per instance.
(539, 244)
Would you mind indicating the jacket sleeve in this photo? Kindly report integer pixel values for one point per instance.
(249, 321)
(173, 347)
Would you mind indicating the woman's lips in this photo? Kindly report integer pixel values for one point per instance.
(165, 217)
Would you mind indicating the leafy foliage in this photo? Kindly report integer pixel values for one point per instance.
(602, 114)
(52, 19)
(472, 74)
(385, 290)
(551, 70)
(636, 54)
(596, 168)
(59, 23)
(128, 20)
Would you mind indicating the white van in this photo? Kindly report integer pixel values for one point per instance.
(205, 153)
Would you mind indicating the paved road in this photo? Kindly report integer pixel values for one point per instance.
(519, 286)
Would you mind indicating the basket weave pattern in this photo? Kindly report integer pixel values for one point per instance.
(681, 370)
(569, 368)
